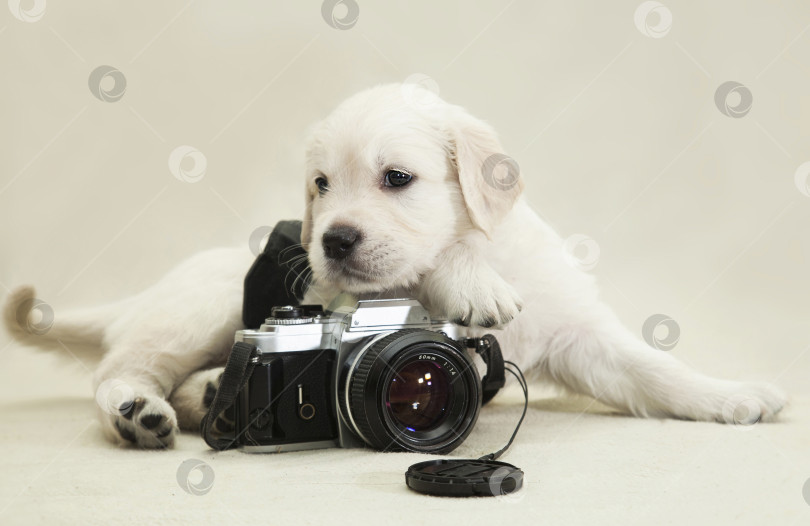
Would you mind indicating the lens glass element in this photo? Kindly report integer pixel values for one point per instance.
(419, 395)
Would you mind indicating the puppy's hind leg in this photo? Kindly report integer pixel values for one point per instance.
(139, 374)
(597, 356)
(193, 397)
(143, 368)
(132, 411)
(183, 324)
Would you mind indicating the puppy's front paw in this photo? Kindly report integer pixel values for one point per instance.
(478, 298)
(749, 403)
(139, 419)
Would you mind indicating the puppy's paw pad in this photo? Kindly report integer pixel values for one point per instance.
(125, 432)
(146, 421)
(151, 421)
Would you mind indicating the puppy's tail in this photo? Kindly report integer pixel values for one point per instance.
(34, 321)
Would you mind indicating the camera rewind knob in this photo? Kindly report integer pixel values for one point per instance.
(286, 312)
(287, 315)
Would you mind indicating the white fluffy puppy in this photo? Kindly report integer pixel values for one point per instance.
(404, 193)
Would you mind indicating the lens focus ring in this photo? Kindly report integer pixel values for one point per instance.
(370, 386)
(359, 382)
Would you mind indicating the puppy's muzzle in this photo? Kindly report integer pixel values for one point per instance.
(339, 241)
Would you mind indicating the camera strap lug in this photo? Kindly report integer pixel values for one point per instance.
(488, 348)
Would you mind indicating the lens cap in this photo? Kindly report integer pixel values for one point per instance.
(464, 478)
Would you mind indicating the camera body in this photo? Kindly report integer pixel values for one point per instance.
(379, 373)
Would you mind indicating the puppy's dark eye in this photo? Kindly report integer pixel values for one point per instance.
(322, 184)
(397, 178)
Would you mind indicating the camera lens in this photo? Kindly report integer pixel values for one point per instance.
(419, 395)
(413, 389)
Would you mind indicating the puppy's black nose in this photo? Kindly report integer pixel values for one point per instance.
(339, 241)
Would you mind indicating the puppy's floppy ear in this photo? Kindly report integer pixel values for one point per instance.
(490, 180)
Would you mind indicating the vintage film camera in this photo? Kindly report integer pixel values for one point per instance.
(380, 373)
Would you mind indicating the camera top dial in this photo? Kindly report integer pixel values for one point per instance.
(293, 314)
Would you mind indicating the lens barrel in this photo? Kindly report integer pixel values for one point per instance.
(413, 389)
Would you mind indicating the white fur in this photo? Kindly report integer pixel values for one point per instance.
(463, 247)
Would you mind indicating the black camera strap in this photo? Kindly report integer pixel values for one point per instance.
(278, 276)
(236, 374)
(488, 348)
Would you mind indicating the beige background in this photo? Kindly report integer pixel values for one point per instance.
(697, 215)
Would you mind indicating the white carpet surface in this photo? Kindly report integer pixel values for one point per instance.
(584, 464)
